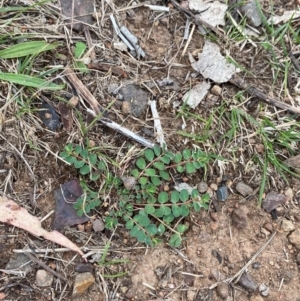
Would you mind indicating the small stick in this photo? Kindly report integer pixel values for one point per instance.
(189, 40)
(90, 43)
(157, 124)
(237, 81)
(43, 265)
(88, 96)
(294, 61)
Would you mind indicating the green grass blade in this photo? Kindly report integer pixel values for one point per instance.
(30, 81)
(27, 48)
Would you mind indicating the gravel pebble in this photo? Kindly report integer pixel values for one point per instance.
(82, 282)
(222, 290)
(43, 278)
(243, 189)
(239, 218)
(202, 187)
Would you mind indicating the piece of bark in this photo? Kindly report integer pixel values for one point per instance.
(106, 67)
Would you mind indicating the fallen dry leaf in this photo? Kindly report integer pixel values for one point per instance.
(287, 15)
(194, 96)
(273, 200)
(211, 64)
(65, 197)
(11, 213)
(211, 12)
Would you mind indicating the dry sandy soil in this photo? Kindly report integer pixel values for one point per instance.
(215, 248)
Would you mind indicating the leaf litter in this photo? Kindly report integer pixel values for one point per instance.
(205, 229)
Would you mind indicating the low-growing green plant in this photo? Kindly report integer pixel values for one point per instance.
(146, 201)
(79, 51)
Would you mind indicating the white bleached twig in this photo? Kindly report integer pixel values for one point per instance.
(157, 124)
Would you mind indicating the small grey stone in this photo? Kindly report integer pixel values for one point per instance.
(256, 265)
(264, 290)
(243, 189)
(222, 290)
(202, 187)
(217, 275)
(239, 219)
(252, 13)
(287, 226)
(247, 282)
(294, 238)
(43, 278)
(273, 200)
(137, 97)
(19, 262)
(98, 225)
(298, 258)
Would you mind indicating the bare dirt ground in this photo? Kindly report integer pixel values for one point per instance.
(215, 248)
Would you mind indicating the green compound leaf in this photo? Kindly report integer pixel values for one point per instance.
(181, 228)
(184, 195)
(151, 229)
(150, 188)
(185, 211)
(85, 169)
(159, 212)
(159, 165)
(163, 197)
(84, 154)
(129, 225)
(143, 181)
(197, 206)
(93, 159)
(170, 155)
(149, 154)
(165, 159)
(101, 165)
(161, 229)
(78, 150)
(166, 210)
(134, 231)
(195, 193)
(187, 154)
(190, 168)
(141, 163)
(176, 210)
(141, 237)
(165, 176)
(157, 150)
(142, 220)
(169, 218)
(175, 240)
(155, 181)
(70, 159)
(197, 164)
(149, 209)
(150, 172)
(178, 158)
(180, 168)
(135, 173)
(151, 200)
(78, 164)
(175, 196)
